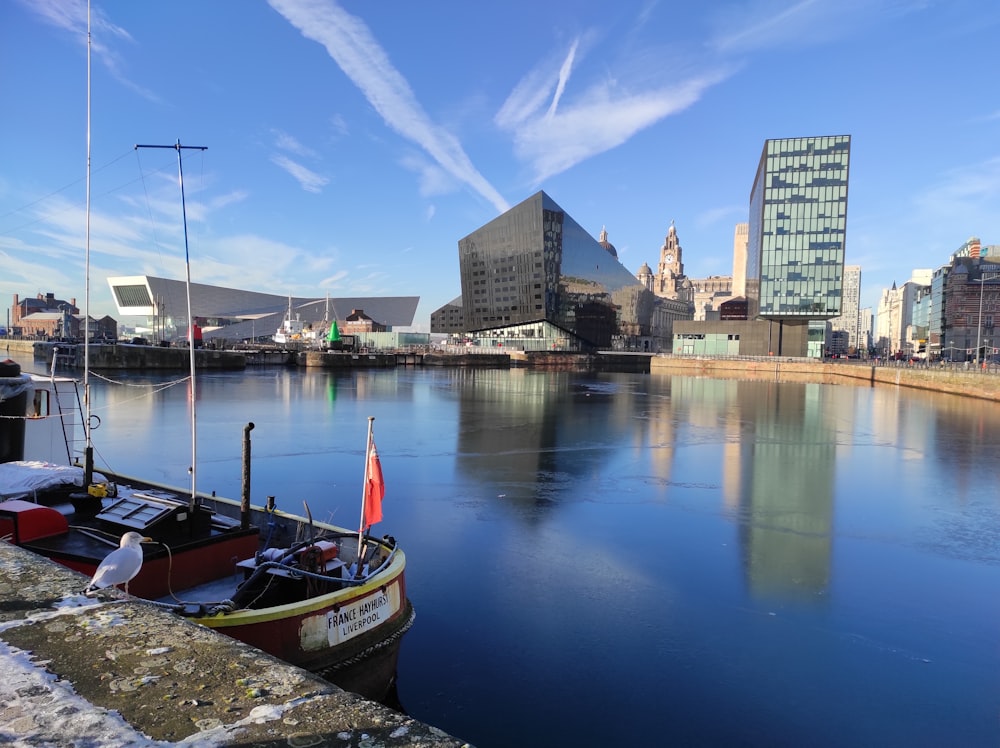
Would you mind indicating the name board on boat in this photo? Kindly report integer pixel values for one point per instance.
(361, 615)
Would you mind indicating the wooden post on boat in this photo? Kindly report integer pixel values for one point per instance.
(245, 494)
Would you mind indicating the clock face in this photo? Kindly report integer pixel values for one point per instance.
(670, 256)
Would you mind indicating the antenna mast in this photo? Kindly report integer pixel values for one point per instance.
(187, 265)
(88, 452)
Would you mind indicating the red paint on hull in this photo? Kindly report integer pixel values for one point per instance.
(182, 569)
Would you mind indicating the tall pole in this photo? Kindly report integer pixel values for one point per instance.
(88, 450)
(187, 267)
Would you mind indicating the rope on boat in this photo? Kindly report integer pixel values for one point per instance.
(369, 651)
(228, 606)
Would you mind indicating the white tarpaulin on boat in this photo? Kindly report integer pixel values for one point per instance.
(11, 387)
(24, 477)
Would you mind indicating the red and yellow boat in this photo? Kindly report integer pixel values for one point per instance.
(321, 597)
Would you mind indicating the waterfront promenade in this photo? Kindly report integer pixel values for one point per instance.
(112, 671)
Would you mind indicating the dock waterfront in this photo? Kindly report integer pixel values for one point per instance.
(964, 379)
(112, 670)
(156, 358)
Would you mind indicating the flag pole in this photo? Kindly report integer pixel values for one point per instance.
(364, 492)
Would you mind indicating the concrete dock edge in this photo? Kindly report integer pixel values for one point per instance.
(109, 670)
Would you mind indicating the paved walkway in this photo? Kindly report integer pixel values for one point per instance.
(111, 671)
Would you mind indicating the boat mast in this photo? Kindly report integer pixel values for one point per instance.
(88, 453)
(187, 266)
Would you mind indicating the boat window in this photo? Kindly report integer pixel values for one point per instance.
(39, 404)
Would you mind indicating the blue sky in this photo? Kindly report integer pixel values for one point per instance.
(351, 145)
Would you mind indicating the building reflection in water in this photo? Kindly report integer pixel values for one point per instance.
(776, 476)
(786, 518)
(527, 451)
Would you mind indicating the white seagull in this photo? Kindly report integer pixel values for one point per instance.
(121, 565)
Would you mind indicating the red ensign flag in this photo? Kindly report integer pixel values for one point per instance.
(374, 489)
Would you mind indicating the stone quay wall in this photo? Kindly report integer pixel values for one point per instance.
(954, 379)
(112, 670)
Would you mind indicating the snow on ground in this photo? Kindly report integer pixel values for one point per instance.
(39, 709)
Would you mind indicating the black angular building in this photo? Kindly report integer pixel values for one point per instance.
(534, 273)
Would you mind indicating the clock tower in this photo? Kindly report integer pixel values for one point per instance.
(670, 273)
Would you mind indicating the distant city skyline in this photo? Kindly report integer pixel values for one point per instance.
(343, 158)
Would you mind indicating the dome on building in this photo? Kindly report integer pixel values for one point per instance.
(608, 246)
(644, 270)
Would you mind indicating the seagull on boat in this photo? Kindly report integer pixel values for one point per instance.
(121, 565)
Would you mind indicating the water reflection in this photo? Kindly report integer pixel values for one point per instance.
(534, 436)
(596, 559)
(786, 525)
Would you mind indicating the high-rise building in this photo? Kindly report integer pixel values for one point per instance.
(534, 275)
(797, 234)
(740, 237)
(849, 320)
(865, 326)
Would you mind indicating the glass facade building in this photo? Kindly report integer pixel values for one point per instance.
(536, 264)
(798, 227)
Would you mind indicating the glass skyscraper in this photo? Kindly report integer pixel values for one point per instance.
(534, 264)
(798, 227)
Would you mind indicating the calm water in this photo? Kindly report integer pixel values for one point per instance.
(617, 560)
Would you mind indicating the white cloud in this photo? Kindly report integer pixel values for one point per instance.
(351, 45)
(310, 181)
(564, 71)
(600, 120)
(230, 198)
(433, 179)
(71, 16)
(338, 126)
(555, 128)
(286, 142)
(764, 24)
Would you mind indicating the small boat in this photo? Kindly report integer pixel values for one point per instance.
(321, 597)
(294, 331)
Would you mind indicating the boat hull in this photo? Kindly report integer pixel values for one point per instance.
(351, 636)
